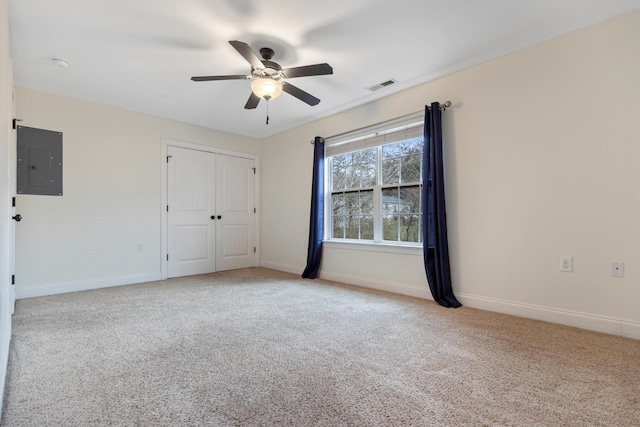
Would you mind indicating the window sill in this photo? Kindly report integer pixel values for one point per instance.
(373, 247)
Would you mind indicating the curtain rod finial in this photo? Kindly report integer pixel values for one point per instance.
(445, 105)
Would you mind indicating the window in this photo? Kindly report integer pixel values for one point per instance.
(374, 185)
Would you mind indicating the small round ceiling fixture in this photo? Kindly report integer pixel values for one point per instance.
(61, 63)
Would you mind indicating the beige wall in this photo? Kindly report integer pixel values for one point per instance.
(542, 151)
(112, 170)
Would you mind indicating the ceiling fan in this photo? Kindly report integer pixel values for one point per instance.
(268, 76)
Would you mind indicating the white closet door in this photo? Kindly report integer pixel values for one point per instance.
(235, 206)
(191, 230)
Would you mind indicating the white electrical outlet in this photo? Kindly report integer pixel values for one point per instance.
(566, 263)
(617, 268)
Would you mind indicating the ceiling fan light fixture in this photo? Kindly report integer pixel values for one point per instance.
(266, 88)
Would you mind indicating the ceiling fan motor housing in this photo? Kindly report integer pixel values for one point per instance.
(271, 69)
(267, 53)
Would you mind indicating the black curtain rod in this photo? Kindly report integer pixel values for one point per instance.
(443, 107)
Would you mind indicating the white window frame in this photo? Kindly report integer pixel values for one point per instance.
(359, 140)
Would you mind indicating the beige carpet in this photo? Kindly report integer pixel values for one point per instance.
(261, 348)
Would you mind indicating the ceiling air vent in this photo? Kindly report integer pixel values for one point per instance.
(383, 84)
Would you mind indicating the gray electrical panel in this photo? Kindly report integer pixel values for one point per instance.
(39, 161)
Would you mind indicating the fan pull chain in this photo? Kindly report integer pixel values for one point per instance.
(267, 111)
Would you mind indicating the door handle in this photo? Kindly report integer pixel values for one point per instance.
(18, 218)
(219, 216)
(213, 217)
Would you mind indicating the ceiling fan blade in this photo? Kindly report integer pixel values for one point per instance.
(308, 70)
(248, 54)
(252, 102)
(232, 77)
(300, 94)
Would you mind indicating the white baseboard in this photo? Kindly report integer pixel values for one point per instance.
(83, 285)
(287, 268)
(569, 318)
(366, 282)
(380, 285)
(553, 315)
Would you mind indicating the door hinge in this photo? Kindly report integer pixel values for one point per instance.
(254, 170)
(167, 257)
(13, 202)
(167, 208)
(15, 123)
(254, 210)
(13, 279)
(254, 249)
(168, 157)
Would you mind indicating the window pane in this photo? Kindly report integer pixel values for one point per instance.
(352, 227)
(366, 202)
(338, 227)
(411, 166)
(363, 172)
(352, 177)
(412, 146)
(338, 179)
(348, 159)
(410, 199)
(351, 202)
(401, 162)
(368, 155)
(352, 214)
(405, 226)
(338, 172)
(337, 202)
(389, 200)
(391, 151)
(390, 227)
(390, 171)
(366, 227)
(368, 173)
(410, 228)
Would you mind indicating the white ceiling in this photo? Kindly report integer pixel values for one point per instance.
(140, 54)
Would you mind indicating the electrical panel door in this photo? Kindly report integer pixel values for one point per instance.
(39, 168)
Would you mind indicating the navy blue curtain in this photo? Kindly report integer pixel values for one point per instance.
(316, 223)
(434, 215)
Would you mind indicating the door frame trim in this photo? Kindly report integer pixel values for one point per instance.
(166, 142)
